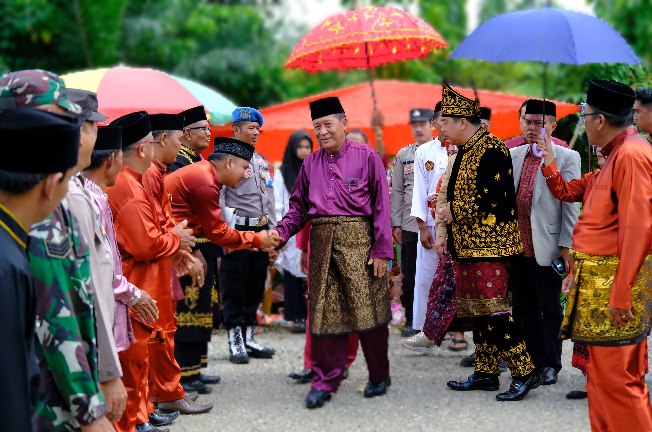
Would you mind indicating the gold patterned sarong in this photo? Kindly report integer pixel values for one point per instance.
(586, 318)
(344, 294)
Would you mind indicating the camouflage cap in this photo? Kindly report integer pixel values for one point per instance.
(33, 87)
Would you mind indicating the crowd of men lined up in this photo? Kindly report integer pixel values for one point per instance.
(111, 236)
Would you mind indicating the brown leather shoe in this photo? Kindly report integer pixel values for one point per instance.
(192, 395)
(185, 406)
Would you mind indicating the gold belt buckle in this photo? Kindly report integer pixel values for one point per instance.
(262, 221)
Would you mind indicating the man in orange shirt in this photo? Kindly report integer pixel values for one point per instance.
(611, 260)
(147, 250)
(195, 192)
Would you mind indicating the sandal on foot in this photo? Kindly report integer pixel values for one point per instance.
(464, 345)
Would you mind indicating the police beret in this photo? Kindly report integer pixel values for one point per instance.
(135, 127)
(247, 114)
(537, 106)
(325, 107)
(37, 141)
(163, 122)
(611, 97)
(233, 147)
(108, 138)
(88, 103)
(193, 115)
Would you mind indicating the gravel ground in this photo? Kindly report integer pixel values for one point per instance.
(260, 397)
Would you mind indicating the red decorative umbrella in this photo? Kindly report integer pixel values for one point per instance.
(363, 39)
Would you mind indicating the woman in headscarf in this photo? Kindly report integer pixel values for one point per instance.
(298, 148)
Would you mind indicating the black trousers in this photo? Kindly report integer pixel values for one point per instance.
(537, 309)
(496, 337)
(408, 268)
(294, 303)
(242, 280)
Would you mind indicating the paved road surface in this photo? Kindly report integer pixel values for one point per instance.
(260, 397)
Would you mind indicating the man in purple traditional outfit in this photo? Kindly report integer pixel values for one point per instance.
(342, 190)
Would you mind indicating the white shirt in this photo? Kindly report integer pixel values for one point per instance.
(430, 161)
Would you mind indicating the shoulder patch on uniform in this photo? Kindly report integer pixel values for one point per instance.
(58, 247)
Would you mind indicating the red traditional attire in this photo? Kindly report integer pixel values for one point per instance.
(612, 244)
(146, 249)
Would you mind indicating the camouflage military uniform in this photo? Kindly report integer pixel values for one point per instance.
(69, 394)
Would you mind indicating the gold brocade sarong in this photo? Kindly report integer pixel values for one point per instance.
(344, 294)
(586, 318)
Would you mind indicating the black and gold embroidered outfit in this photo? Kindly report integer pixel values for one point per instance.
(185, 157)
(483, 201)
(483, 235)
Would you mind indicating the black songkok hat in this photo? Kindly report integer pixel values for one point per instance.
(88, 102)
(438, 107)
(233, 147)
(611, 97)
(537, 106)
(324, 107)
(453, 104)
(420, 114)
(108, 138)
(135, 127)
(38, 141)
(193, 115)
(163, 122)
(485, 113)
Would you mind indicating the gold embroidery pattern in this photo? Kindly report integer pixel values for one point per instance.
(191, 319)
(345, 296)
(202, 240)
(215, 298)
(586, 318)
(486, 358)
(188, 153)
(518, 360)
(467, 307)
(454, 104)
(484, 236)
(191, 292)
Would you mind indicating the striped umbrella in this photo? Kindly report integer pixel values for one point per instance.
(122, 89)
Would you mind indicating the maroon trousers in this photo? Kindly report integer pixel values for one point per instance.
(329, 354)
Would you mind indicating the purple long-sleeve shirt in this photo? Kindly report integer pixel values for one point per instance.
(349, 182)
(124, 291)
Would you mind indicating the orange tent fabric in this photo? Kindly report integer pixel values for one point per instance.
(395, 99)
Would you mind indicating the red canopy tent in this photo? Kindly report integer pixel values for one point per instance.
(395, 99)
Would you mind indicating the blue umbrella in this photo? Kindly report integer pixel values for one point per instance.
(546, 35)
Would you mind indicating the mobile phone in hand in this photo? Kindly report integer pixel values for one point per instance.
(559, 266)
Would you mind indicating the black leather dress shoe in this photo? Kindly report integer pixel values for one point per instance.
(162, 419)
(548, 376)
(302, 377)
(475, 382)
(317, 398)
(520, 388)
(379, 389)
(468, 361)
(196, 386)
(209, 379)
(576, 394)
(147, 427)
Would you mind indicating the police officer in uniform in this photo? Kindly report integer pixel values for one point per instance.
(243, 272)
(404, 227)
